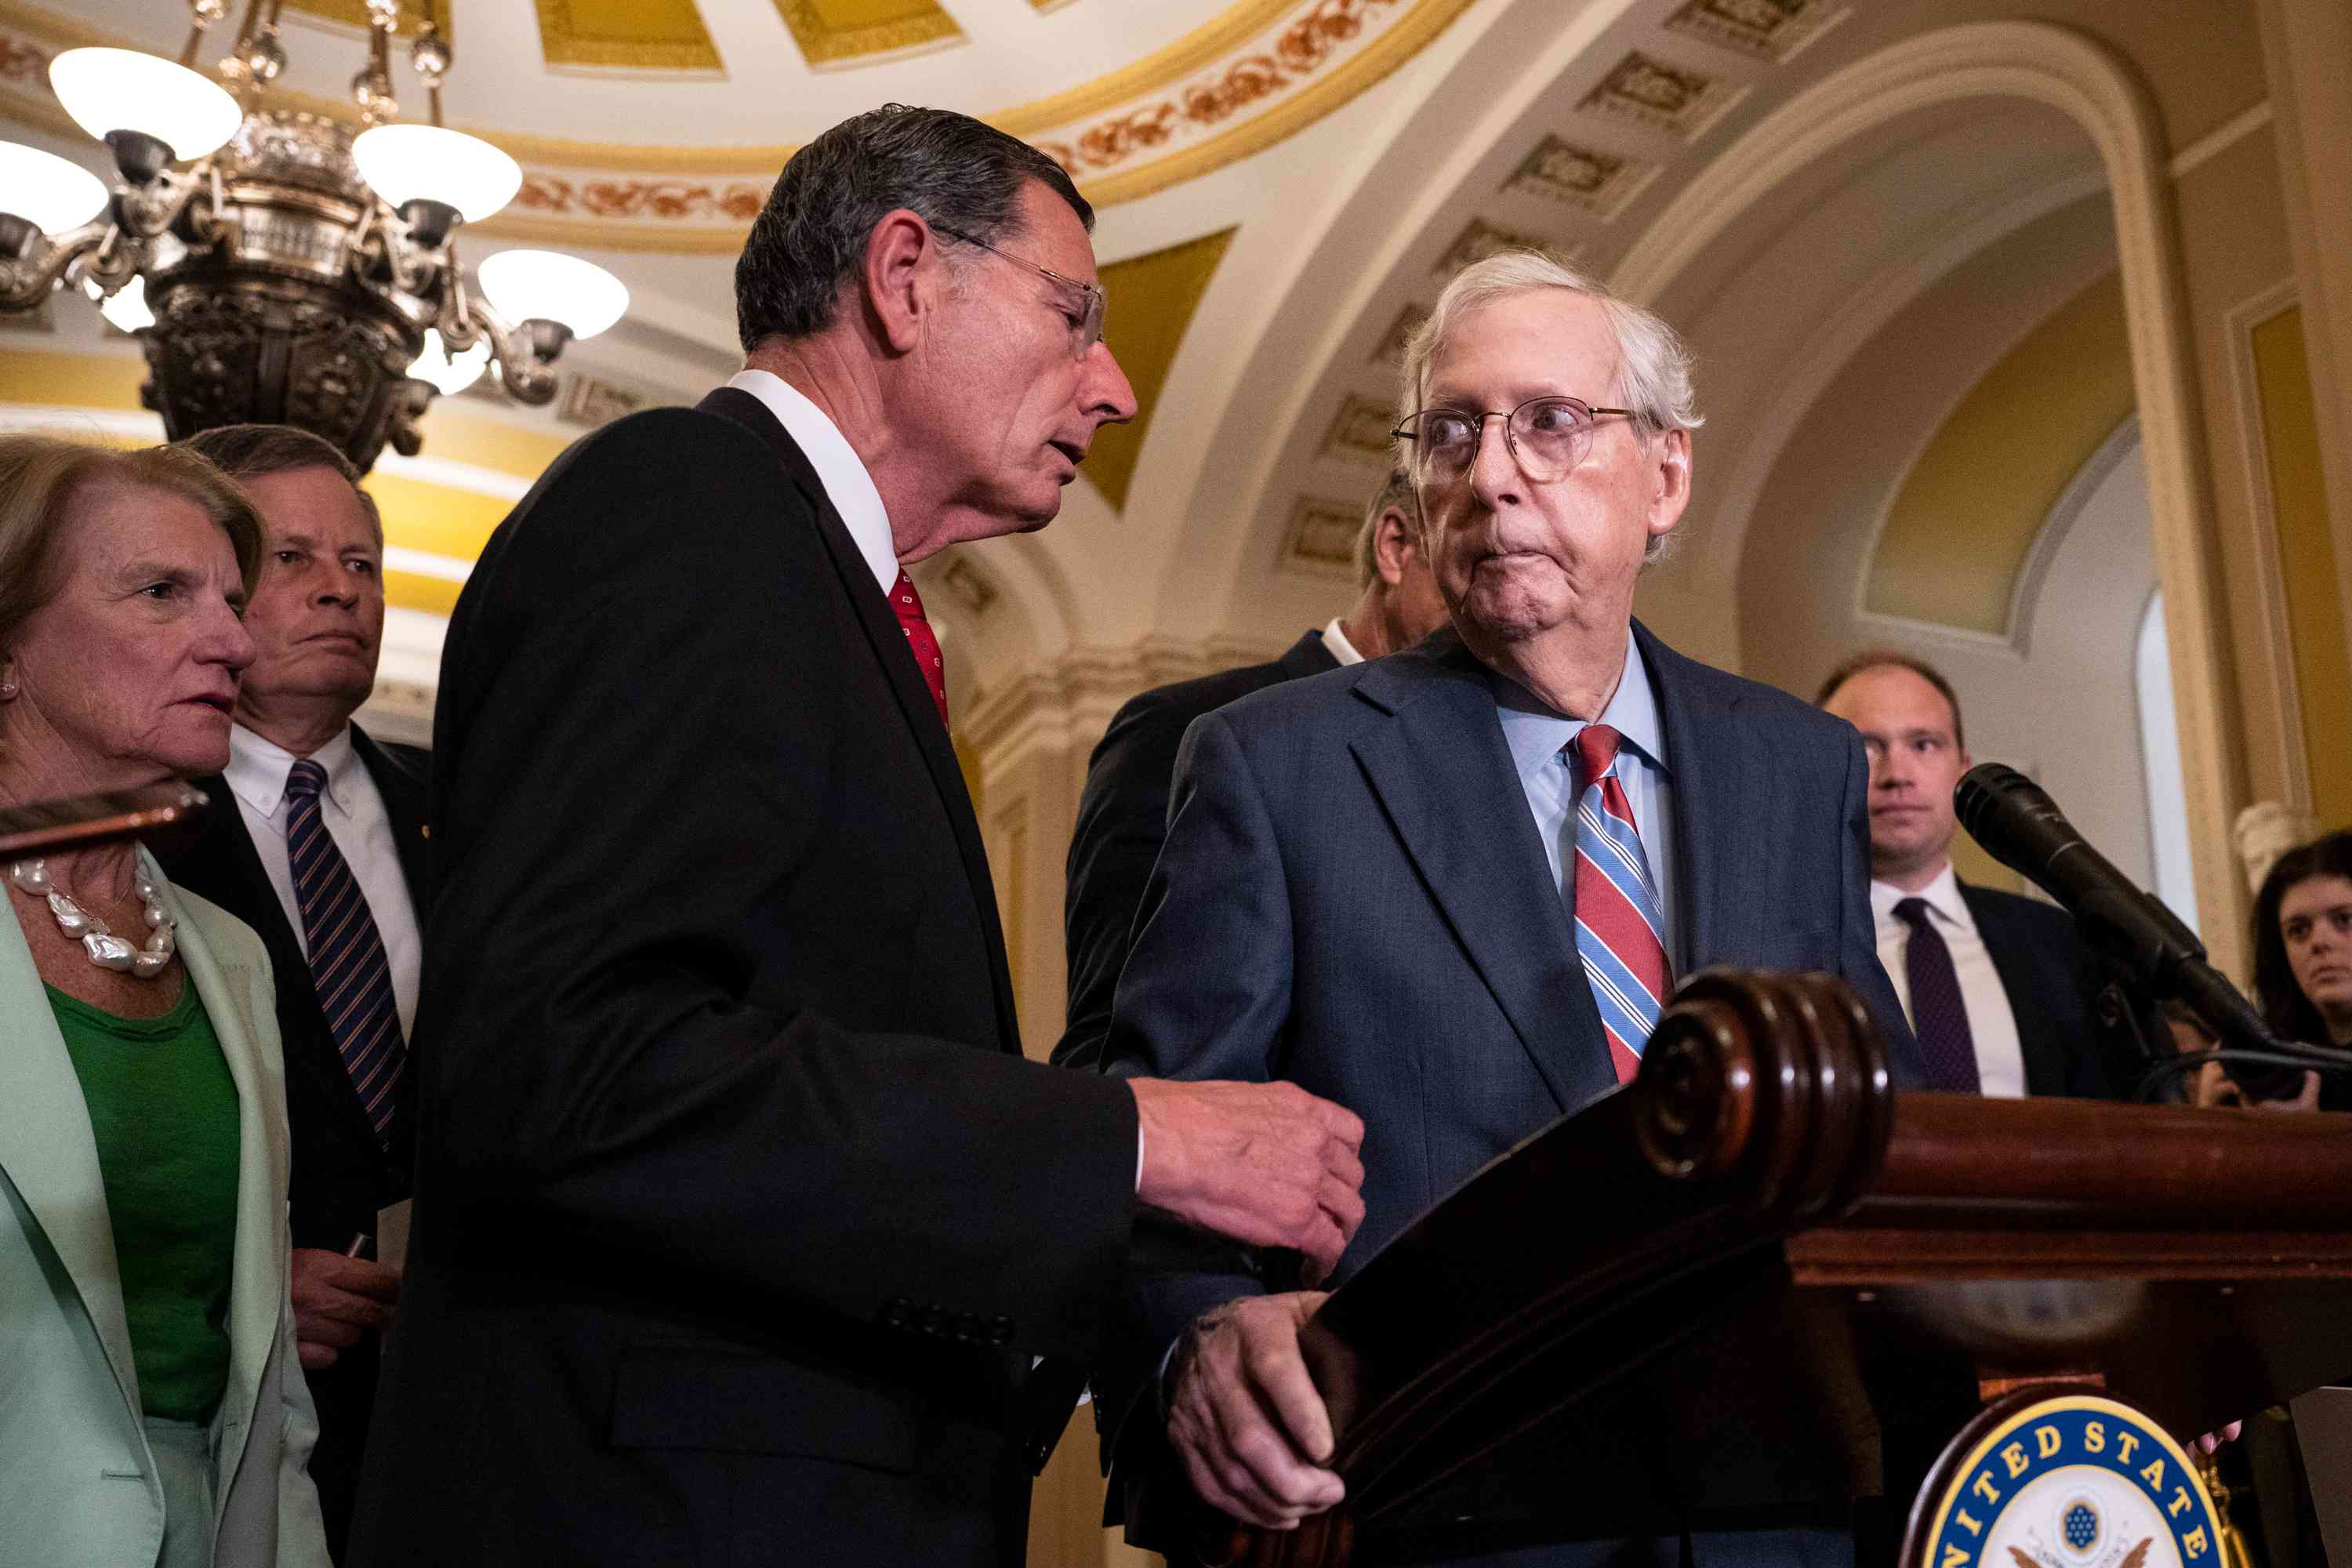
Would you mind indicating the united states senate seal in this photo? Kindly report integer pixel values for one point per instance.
(2068, 1480)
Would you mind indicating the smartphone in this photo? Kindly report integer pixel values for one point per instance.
(47, 826)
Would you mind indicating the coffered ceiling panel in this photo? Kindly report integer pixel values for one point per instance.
(836, 32)
(635, 34)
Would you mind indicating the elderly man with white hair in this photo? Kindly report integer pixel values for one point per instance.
(1450, 888)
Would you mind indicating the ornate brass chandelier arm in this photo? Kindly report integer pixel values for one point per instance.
(525, 354)
(26, 281)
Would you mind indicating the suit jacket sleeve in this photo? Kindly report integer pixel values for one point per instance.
(1122, 817)
(642, 710)
(1205, 994)
(1858, 931)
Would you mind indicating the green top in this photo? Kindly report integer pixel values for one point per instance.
(164, 1109)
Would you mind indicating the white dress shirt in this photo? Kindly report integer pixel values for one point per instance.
(1992, 1028)
(1335, 639)
(353, 816)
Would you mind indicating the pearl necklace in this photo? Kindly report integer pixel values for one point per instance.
(106, 950)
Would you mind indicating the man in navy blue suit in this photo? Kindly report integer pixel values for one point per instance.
(1450, 888)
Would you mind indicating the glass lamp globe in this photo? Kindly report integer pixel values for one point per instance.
(126, 308)
(549, 286)
(123, 89)
(52, 194)
(450, 376)
(408, 163)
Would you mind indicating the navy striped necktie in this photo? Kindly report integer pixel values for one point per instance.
(348, 968)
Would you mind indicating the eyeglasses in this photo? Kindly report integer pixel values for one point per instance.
(1547, 437)
(1086, 330)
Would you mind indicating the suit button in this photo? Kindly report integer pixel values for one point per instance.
(934, 1320)
(897, 1314)
(1000, 1330)
(967, 1328)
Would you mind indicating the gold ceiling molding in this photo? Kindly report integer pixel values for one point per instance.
(846, 32)
(631, 34)
(1262, 71)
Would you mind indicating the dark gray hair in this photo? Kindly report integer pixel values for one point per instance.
(252, 452)
(810, 240)
(1395, 491)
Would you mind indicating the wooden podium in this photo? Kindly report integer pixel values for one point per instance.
(1757, 1285)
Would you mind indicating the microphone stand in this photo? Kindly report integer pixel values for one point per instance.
(2147, 953)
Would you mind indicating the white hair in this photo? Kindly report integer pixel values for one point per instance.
(1653, 364)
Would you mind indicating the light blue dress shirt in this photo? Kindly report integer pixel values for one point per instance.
(1537, 738)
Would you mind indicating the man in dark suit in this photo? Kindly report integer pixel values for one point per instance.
(2000, 989)
(739, 1215)
(277, 851)
(1430, 890)
(1123, 811)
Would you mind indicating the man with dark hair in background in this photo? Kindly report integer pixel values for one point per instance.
(2000, 989)
(1123, 813)
(316, 839)
(741, 1217)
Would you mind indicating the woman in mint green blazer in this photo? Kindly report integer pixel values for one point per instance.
(152, 1412)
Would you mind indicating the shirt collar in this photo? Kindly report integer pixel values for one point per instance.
(838, 469)
(257, 768)
(1336, 643)
(1942, 896)
(1535, 733)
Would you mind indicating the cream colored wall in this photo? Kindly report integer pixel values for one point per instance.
(2046, 686)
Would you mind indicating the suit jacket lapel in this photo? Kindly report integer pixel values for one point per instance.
(228, 843)
(49, 1155)
(403, 793)
(1713, 790)
(1446, 780)
(890, 644)
(2037, 1034)
(231, 993)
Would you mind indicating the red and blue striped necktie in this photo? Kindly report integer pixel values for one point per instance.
(348, 970)
(1619, 934)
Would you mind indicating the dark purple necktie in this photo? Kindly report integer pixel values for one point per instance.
(1938, 1017)
(347, 967)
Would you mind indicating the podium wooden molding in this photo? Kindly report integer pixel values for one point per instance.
(1760, 1200)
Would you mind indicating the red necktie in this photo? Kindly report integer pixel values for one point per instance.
(920, 640)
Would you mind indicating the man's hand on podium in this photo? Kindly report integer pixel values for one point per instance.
(1234, 1368)
(1268, 1164)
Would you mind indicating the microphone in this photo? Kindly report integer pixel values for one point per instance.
(2020, 825)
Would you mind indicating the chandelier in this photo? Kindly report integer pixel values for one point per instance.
(276, 267)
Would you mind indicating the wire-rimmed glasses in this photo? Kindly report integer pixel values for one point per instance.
(1547, 437)
(1086, 327)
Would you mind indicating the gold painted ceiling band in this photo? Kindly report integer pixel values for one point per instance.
(1370, 66)
(1201, 46)
(1394, 45)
